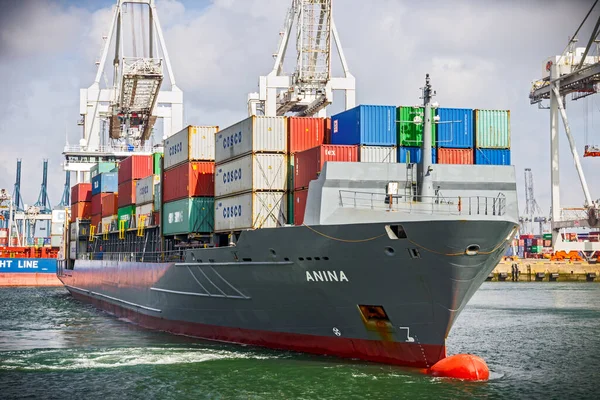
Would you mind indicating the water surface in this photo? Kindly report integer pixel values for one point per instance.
(540, 340)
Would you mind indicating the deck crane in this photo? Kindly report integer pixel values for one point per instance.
(136, 97)
(309, 89)
(577, 73)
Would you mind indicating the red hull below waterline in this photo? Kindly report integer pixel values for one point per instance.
(29, 279)
(404, 354)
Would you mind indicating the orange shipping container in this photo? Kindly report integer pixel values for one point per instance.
(81, 192)
(126, 193)
(308, 163)
(110, 204)
(455, 156)
(135, 167)
(305, 133)
(327, 131)
(97, 201)
(81, 210)
(97, 222)
(192, 179)
(300, 197)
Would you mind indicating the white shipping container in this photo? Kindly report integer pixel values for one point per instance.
(256, 134)
(378, 154)
(109, 223)
(251, 211)
(145, 210)
(144, 189)
(57, 228)
(56, 241)
(250, 173)
(194, 143)
(58, 216)
(73, 250)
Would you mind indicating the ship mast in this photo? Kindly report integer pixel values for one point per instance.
(425, 167)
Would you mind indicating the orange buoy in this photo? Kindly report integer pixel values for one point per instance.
(461, 366)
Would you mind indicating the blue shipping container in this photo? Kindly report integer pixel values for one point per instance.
(415, 154)
(28, 265)
(492, 156)
(369, 125)
(455, 128)
(107, 182)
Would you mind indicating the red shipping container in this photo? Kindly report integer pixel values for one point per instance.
(126, 193)
(97, 203)
(135, 167)
(97, 222)
(81, 210)
(156, 218)
(305, 133)
(300, 197)
(455, 156)
(110, 204)
(81, 192)
(192, 179)
(4, 241)
(308, 163)
(327, 131)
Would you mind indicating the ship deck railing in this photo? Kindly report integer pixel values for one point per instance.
(139, 256)
(468, 205)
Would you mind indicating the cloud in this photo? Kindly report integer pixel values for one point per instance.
(479, 55)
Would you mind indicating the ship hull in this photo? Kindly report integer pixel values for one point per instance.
(310, 289)
(28, 272)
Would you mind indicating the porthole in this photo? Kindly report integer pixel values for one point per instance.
(390, 251)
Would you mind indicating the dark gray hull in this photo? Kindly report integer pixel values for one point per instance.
(300, 288)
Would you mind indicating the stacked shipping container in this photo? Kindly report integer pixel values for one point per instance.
(251, 174)
(81, 202)
(409, 130)
(455, 136)
(492, 137)
(372, 127)
(303, 133)
(144, 200)
(104, 197)
(131, 170)
(187, 187)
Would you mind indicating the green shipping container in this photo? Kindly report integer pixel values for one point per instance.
(103, 167)
(492, 129)
(409, 133)
(191, 215)
(157, 162)
(547, 236)
(536, 249)
(126, 214)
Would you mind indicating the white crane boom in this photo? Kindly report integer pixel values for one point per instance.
(309, 90)
(128, 106)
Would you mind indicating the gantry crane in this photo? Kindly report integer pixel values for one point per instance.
(573, 72)
(127, 107)
(533, 212)
(309, 89)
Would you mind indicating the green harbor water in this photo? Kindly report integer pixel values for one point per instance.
(540, 340)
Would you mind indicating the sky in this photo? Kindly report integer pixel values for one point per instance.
(479, 54)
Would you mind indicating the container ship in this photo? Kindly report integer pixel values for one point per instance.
(26, 260)
(304, 234)
(360, 235)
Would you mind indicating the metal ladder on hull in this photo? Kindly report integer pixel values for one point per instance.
(411, 184)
